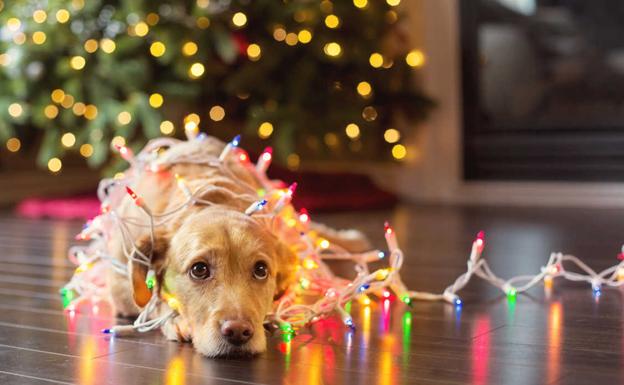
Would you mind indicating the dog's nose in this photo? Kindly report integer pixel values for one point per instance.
(237, 332)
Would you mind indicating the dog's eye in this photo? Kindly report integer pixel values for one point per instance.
(261, 271)
(200, 270)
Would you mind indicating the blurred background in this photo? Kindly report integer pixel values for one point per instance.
(364, 102)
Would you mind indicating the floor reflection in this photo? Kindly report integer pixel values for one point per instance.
(554, 341)
(176, 371)
(480, 351)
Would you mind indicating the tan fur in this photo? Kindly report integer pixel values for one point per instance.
(220, 235)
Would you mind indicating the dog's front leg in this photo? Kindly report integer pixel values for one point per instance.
(177, 329)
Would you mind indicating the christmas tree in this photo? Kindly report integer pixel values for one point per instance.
(320, 78)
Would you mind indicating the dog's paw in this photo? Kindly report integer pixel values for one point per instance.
(176, 329)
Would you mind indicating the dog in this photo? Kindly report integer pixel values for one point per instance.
(223, 267)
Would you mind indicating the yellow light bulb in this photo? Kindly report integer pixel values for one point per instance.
(156, 100)
(79, 109)
(91, 45)
(376, 60)
(68, 101)
(55, 165)
(15, 110)
(13, 144)
(196, 70)
(118, 141)
(324, 244)
(39, 37)
(239, 19)
(399, 151)
(157, 49)
(352, 130)
(77, 62)
(124, 117)
(62, 16)
(189, 48)
(152, 18)
(51, 111)
(360, 3)
(304, 36)
(279, 33)
(167, 127)
(91, 112)
(141, 29)
(217, 113)
(393, 3)
(415, 58)
(364, 88)
(68, 139)
(332, 21)
(254, 52)
(13, 24)
(108, 45)
(291, 39)
(332, 49)
(265, 130)
(392, 135)
(57, 95)
(40, 16)
(86, 150)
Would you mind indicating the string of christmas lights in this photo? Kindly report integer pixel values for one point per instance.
(315, 278)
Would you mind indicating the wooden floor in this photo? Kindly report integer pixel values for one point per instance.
(568, 337)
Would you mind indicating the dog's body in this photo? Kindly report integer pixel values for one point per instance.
(222, 266)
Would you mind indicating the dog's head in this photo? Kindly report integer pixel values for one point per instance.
(225, 269)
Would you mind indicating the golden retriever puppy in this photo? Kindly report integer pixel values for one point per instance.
(223, 268)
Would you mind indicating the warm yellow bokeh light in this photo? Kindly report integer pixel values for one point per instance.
(57, 95)
(399, 151)
(91, 45)
(13, 144)
(68, 139)
(77, 62)
(156, 100)
(415, 58)
(68, 101)
(291, 39)
(360, 3)
(62, 16)
(254, 52)
(203, 22)
(265, 130)
(203, 3)
(108, 45)
(304, 36)
(13, 24)
(55, 165)
(393, 3)
(167, 127)
(152, 18)
(239, 19)
(79, 109)
(293, 161)
(118, 141)
(332, 49)
(141, 29)
(91, 112)
(124, 117)
(332, 21)
(352, 130)
(189, 48)
(279, 33)
(194, 118)
(216, 113)
(86, 150)
(369, 113)
(392, 135)
(157, 49)
(376, 60)
(51, 111)
(196, 70)
(39, 37)
(19, 38)
(331, 139)
(364, 88)
(40, 16)
(16, 110)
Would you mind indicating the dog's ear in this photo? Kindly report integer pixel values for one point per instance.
(286, 262)
(138, 271)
